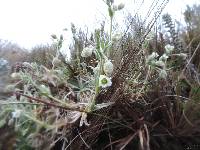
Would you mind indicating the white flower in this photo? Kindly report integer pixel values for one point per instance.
(108, 67)
(16, 113)
(87, 51)
(104, 81)
(163, 74)
(164, 57)
(169, 48)
(121, 6)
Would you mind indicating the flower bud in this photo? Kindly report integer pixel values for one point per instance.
(61, 37)
(44, 90)
(169, 48)
(108, 67)
(110, 1)
(54, 36)
(115, 7)
(121, 6)
(87, 52)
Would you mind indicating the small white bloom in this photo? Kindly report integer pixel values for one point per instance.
(87, 51)
(16, 113)
(163, 74)
(164, 57)
(121, 6)
(104, 81)
(108, 67)
(169, 48)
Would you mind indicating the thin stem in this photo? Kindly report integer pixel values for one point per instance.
(111, 24)
(18, 103)
(110, 37)
(73, 108)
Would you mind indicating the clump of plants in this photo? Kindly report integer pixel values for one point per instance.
(99, 100)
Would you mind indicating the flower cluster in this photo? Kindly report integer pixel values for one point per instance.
(103, 75)
(160, 63)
